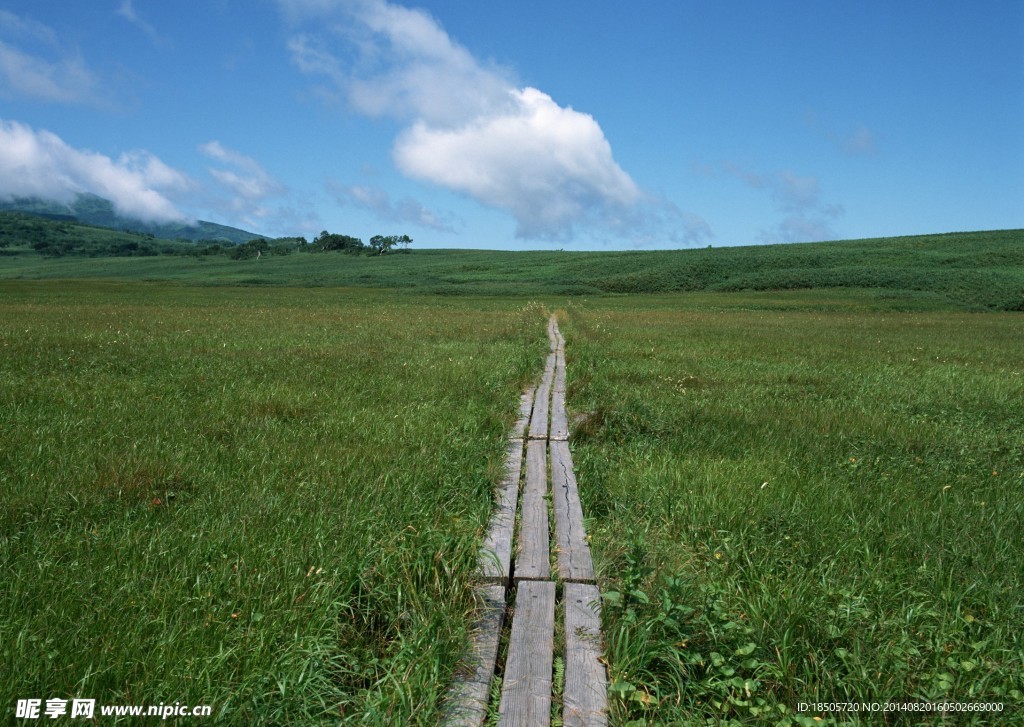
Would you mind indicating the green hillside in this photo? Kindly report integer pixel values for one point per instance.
(30, 236)
(983, 270)
(91, 209)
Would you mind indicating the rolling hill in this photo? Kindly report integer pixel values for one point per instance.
(971, 270)
(91, 209)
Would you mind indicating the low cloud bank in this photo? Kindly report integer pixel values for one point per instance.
(40, 164)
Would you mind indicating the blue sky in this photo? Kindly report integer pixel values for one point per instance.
(520, 125)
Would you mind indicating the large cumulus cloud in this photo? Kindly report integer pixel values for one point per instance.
(467, 125)
(549, 166)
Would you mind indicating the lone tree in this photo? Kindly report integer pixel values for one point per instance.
(381, 244)
(332, 241)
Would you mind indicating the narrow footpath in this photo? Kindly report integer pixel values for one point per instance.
(523, 594)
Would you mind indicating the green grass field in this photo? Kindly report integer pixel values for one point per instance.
(975, 270)
(265, 502)
(798, 498)
(240, 485)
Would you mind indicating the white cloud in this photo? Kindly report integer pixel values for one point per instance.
(311, 58)
(127, 11)
(40, 164)
(795, 193)
(27, 29)
(247, 184)
(659, 221)
(414, 70)
(35, 64)
(469, 127)
(549, 166)
(377, 200)
(806, 216)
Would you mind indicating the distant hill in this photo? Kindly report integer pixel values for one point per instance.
(91, 209)
(972, 270)
(51, 235)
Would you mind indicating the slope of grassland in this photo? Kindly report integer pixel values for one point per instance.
(266, 501)
(982, 270)
(794, 498)
(94, 211)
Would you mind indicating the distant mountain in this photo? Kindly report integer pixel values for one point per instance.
(91, 209)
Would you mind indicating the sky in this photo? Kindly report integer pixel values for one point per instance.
(524, 125)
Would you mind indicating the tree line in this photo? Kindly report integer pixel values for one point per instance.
(324, 242)
(379, 244)
(20, 233)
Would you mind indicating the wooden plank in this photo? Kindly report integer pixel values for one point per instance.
(526, 691)
(559, 419)
(574, 561)
(559, 429)
(525, 409)
(539, 420)
(469, 694)
(585, 698)
(558, 384)
(557, 342)
(496, 551)
(534, 561)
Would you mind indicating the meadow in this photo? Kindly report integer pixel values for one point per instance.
(802, 497)
(241, 483)
(971, 270)
(267, 502)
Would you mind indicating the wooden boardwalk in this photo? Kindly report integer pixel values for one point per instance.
(540, 434)
(496, 554)
(534, 559)
(574, 563)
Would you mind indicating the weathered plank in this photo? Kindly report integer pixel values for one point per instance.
(525, 408)
(585, 698)
(559, 430)
(533, 560)
(469, 694)
(558, 347)
(541, 408)
(496, 551)
(558, 383)
(554, 335)
(574, 561)
(526, 691)
(559, 419)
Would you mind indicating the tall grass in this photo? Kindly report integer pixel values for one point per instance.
(796, 499)
(268, 502)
